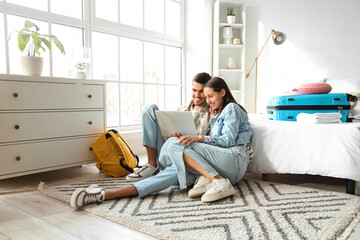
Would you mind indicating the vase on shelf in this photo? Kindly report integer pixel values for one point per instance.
(230, 15)
(227, 35)
(230, 63)
(83, 62)
(81, 70)
(31, 65)
(230, 19)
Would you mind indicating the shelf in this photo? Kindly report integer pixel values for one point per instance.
(225, 54)
(234, 26)
(230, 70)
(231, 46)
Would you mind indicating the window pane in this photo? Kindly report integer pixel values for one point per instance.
(107, 10)
(154, 15)
(105, 56)
(112, 104)
(62, 7)
(128, 15)
(16, 23)
(131, 60)
(154, 62)
(37, 4)
(2, 45)
(172, 18)
(173, 97)
(72, 39)
(131, 103)
(154, 94)
(172, 65)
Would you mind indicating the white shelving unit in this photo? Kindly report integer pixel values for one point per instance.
(235, 77)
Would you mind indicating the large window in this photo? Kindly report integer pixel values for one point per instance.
(2, 45)
(135, 46)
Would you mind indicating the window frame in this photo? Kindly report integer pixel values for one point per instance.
(121, 30)
(90, 23)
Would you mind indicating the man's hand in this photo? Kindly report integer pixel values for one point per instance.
(190, 139)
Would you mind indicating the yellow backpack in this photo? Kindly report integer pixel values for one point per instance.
(113, 155)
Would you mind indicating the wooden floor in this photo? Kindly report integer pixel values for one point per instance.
(26, 214)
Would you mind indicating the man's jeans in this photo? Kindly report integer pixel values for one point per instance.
(151, 131)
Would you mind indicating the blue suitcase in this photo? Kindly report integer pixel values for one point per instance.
(286, 108)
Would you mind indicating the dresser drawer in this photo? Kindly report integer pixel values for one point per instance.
(39, 125)
(40, 155)
(19, 95)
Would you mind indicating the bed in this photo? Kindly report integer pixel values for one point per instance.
(331, 150)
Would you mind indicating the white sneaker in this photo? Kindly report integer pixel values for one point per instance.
(199, 188)
(143, 172)
(84, 196)
(218, 189)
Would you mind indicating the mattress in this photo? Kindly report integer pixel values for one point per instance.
(331, 150)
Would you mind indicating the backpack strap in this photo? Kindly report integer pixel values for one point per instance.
(135, 156)
(124, 165)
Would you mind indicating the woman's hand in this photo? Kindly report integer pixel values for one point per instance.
(174, 134)
(190, 139)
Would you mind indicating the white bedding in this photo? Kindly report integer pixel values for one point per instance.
(319, 149)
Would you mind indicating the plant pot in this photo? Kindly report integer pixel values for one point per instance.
(32, 66)
(230, 19)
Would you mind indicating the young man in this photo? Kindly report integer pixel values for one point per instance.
(152, 138)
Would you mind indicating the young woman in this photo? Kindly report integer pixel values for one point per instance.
(217, 161)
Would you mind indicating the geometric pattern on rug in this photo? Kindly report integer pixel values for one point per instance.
(259, 210)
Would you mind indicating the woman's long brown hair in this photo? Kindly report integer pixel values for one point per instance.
(217, 83)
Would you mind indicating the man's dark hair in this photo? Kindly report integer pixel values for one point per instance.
(202, 78)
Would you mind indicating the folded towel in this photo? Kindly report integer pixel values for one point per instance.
(319, 118)
(327, 115)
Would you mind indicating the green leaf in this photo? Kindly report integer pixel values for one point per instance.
(23, 39)
(47, 43)
(29, 24)
(36, 40)
(59, 45)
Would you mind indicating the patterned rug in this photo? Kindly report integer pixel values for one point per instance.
(259, 210)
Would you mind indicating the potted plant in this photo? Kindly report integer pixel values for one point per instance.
(230, 15)
(31, 41)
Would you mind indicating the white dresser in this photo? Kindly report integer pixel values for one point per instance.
(48, 123)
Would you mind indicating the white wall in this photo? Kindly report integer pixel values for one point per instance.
(323, 41)
(198, 41)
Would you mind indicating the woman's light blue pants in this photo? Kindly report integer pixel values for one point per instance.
(230, 163)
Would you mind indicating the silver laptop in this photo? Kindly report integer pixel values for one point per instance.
(176, 121)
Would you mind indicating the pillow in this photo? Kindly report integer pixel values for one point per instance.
(311, 88)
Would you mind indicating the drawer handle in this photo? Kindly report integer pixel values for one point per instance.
(90, 122)
(15, 95)
(90, 148)
(18, 158)
(89, 96)
(16, 127)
